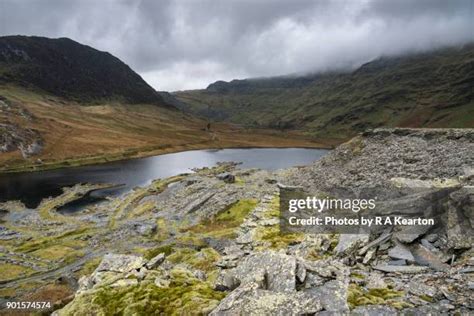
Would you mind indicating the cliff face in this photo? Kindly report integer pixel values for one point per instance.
(69, 69)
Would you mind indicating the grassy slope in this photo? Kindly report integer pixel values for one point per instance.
(425, 90)
(77, 134)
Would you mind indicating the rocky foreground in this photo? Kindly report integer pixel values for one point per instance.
(210, 242)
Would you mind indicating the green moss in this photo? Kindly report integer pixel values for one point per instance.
(70, 237)
(186, 295)
(427, 298)
(274, 210)
(163, 229)
(358, 296)
(236, 213)
(59, 252)
(224, 223)
(276, 239)
(357, 276)
(166, 249)
(141, 208)
(7, 292)
(13, 271)
(205, 259)
(239, 181)
(130, 204)
(191, 240)
(89, 266)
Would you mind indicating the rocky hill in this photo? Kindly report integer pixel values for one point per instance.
(432, 89)
(68, 69)
(210, 242)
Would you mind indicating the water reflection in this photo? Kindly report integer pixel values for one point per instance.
(31, 188)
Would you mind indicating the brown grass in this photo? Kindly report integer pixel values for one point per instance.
(76, 134)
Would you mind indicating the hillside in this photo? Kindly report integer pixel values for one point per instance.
(432, 89)
(71, 70)
(66, 104)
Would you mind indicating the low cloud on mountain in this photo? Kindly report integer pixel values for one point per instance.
(188, 44)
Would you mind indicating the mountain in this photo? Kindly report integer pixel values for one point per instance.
(71, 70)
(66, 104)
(431, 89)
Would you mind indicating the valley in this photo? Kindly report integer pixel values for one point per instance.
(428, 89)
(206, 237)
(75, 134)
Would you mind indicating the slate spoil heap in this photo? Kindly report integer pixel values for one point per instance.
(221, 251)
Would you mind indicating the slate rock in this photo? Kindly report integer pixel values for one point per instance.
(400, 269)
(332, 295)
(350, 242)
(250, 299)
(401, 252)
(120, 263)
(374, 310)
(155, 261)
(278, 270)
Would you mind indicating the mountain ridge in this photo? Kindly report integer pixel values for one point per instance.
(416, 90)
(71, 70)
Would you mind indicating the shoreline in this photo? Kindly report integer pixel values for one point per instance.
(138, 153)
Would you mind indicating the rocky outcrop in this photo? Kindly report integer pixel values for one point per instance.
(376, 157)
(69, 69)
(14, 137)
(214, 247)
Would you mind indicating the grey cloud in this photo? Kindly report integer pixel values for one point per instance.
(189, 43)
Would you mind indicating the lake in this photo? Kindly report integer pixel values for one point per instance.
(32, 187)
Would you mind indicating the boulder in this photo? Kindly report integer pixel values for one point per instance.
(418, 288)
(409, 234)
(332, 295)
(460, 224)
(374, 243)
(120, 263)
(226, 177)
(278, 271)
(155, 261)
(350, 242)
(375, 281)
(250, 299)
(145, 229)
(400, 252)
(424, 256)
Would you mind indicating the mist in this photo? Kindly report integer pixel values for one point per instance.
(177, 45)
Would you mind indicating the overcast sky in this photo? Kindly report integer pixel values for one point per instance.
(187, 44)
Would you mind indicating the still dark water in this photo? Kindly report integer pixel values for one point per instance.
(31, 188)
